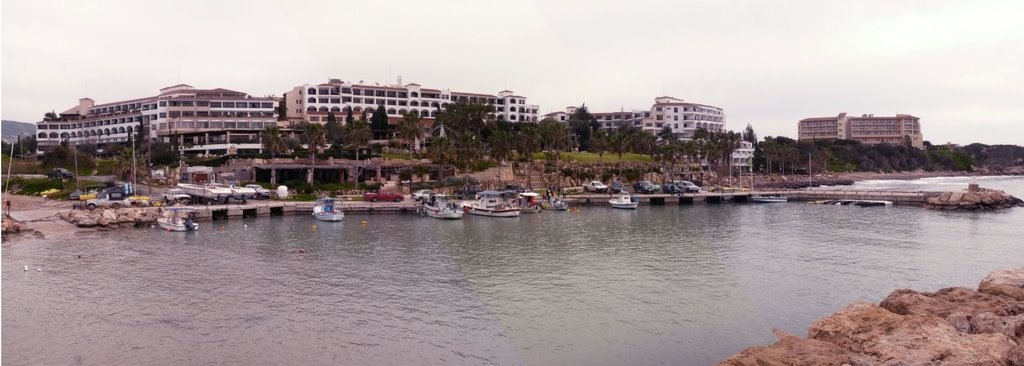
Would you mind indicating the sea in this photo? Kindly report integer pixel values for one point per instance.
(660, 285)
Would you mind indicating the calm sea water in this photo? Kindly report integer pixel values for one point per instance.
(659, 285)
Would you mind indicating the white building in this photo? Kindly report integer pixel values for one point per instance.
(214, 121)
(682, 117)
(312, 102)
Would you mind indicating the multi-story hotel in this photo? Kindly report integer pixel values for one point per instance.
(682, 117)
(210, 121)
(867, 129)
(312, 102)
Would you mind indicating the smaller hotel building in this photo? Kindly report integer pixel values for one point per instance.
(312, 102)
(682, 117)
(867, 129)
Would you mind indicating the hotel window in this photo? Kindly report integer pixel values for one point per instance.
(346, 99)
(229, 104)
(163, 114)
(675, 118)
(267, 105)
(335, 100)
(346, 90)
(163, 103)
(215, 104)
(357, 92)
(658, 109)
(379, 93)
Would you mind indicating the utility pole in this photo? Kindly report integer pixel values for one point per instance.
(809, 182)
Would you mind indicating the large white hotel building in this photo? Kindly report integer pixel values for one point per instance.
(312, 102)
(682, 117)
(211, 121)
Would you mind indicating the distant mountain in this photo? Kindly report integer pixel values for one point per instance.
(12, 129)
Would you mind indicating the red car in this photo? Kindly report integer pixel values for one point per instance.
(382, 195)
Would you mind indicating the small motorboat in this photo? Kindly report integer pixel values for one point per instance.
(624, 201)
(555, 204)
(769, 198)
(441, 207)
(529, 202)
(326, 210)
(180, 219)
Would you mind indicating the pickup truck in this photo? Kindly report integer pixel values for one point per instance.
(382, 195)
(595, 186)
(175, 195)
(261, 193)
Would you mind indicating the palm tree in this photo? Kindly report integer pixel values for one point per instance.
(556, 138)
(359, 135)
(467, 149)
(410, 130)
(599, 143)
(440, 152)
(315, 138)
(274, 144)
(500, 145)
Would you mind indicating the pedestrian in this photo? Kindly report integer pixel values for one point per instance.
(7, 212)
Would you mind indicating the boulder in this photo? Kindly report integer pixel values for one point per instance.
(970, 198)
(790, 350)
(87, 222)
(947, 301)
(1004, 282)
(103, 221)
(1011, 326)
(1016, 356)
(881, 337)
(109, 215)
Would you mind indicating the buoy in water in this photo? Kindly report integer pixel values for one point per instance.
(302, 250)
(245, 225)
(26, 268)
(363, 222)
(39, 269)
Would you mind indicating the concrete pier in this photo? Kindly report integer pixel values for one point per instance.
(277, 208)
(897, 197)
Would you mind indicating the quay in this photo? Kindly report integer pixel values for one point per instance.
(271, 208)
(913, 198)
(277, 208)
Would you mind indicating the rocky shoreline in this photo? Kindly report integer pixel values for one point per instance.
(113, 218)
(952, 326)
(975, 199)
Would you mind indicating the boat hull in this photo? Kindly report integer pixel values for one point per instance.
(493, 213)
(769, 199)
(329, 217)
(442, 214)
(625, 206)
(167, 224)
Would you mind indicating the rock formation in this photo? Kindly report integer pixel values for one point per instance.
(952, 326)
(112, 218)
(973, 200)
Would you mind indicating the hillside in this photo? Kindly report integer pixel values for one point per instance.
(12, 129)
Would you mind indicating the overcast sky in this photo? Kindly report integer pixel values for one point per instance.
(959, 65)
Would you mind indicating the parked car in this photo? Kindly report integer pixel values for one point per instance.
(382, 195)
(618, 187)
(687, 186)
(421, 195)
(60, 173)
(111, 197)
(671, 188)
(175, 195)
(261, 193)
(644, 186)
(595, 186)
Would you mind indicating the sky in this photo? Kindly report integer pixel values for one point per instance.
(958, 65)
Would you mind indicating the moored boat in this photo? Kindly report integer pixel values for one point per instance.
(326, 210)
(441, 207)
(624, 201)
(529, 202)
(555, 204)
(176, 221)
(769, 199)
(492, 204)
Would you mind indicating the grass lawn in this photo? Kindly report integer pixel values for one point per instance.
(587, 157)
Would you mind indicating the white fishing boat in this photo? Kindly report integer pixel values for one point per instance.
(493, 204)
(441, 207)
(529, 202)
(326, 210)
(624, 201)
(180, 219)
(769, 199)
